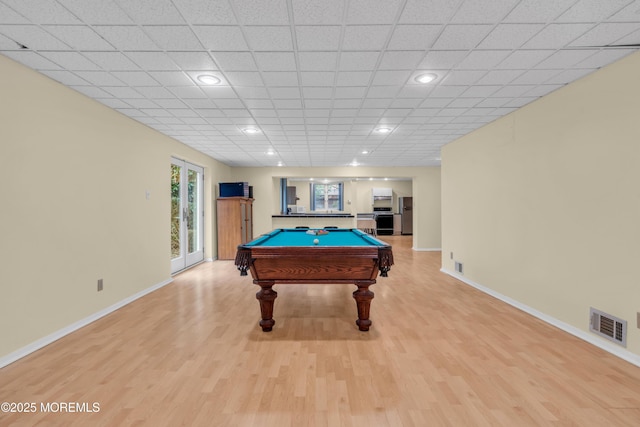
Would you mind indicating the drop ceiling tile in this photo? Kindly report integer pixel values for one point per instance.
(40, 12)
(592, 10)
(524, 59)
(567, 76)
(79, 37)
(479, 91)
(186, 92)
(249, 93)
(382, 91)
(152, 61)
(318, 38)
(262, 12)
(414, 37)
(276, 61)
(457, 37)
(285, 92)
(349, 92)
(193, 61)
(317, 61)
(317, 78)
(287, 103)
(205, 11)
(174, 37)
(510, 36)
(153, 12)
(228, 103)
(530, 11)
(555, 36)
(221, 38)
(126, 38)
(100, 78)
(431, 12)
(512, 91)
(35, 38)
(372, 11)
(222, 91)
(269, 38)
(449, 92)
(244, 78)
(606, 33)
(135, 78)
(499, 77)
(122, 92)
(483, 12)
(97, 11)
(358, 61)
(404, 60)
(111, 61)
(172, 78)
(281, 78)
(235, 61)
(139, 103)
(386, 78)
(605, 57)
(442, 60)
(463, 77)
(353, 78)
(535, 77)
(318, 12)
(67, 78)
(10, 16)
(317, 92)
(92, 92)
(566, 58)
(365, 37)
(32, 60)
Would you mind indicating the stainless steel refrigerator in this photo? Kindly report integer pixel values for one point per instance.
(406, 209)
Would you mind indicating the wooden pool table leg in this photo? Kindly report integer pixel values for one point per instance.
(363, 297)
(266, 296)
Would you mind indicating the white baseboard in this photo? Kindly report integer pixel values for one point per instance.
(44, 341)
(610, 348)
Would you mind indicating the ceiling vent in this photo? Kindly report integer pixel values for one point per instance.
(608, 326)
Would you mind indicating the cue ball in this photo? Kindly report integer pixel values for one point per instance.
(316, 241)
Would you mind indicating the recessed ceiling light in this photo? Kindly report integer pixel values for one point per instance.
(383, 130)
(271, 153)
(426, 78)
(365, 152)
(251, 131)
(208, 79)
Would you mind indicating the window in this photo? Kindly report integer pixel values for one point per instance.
(327, 197)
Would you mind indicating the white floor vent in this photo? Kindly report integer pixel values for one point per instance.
(608, 326)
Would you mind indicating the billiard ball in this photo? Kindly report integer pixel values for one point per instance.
(316, 241)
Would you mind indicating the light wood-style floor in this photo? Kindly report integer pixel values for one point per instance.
(439, 353)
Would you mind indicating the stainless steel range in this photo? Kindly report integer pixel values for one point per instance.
(384, 221)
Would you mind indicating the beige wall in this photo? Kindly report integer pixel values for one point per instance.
(74, 176)
(424, 185)
(543, 205)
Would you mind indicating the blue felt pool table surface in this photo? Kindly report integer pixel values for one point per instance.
(300, 237)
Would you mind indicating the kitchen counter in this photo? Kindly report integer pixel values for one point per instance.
(313, 220)
(314, 215)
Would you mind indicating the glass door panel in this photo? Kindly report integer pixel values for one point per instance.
(187, 213)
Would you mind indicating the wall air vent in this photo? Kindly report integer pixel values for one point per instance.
(608, 326)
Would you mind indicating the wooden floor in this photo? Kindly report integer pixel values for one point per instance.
(439, 353)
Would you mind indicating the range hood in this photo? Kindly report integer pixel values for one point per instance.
(382, 193)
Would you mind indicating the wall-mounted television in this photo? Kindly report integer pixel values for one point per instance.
(235, 189)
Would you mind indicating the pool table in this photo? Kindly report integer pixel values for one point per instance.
(343, 255)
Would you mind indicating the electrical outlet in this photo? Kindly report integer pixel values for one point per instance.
(100, 285)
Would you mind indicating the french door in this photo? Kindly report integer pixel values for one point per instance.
(187, 214)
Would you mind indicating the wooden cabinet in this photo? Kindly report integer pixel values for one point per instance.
(235, 225)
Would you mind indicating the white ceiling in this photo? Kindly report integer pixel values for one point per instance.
(317, 76)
